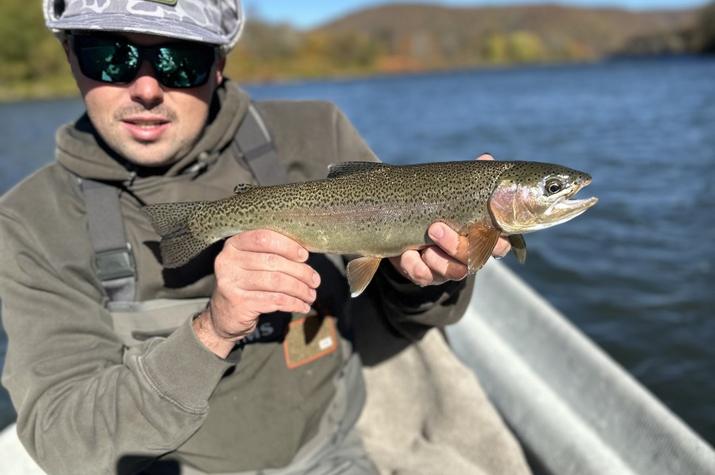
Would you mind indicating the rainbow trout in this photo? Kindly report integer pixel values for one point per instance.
(374, 210)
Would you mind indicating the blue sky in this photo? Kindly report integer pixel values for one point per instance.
(308, 13)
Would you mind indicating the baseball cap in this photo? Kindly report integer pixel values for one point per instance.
(217, 22)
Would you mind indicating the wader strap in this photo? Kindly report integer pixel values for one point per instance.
(113, 254)
(254, 142)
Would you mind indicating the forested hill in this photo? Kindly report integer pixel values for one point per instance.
(438, 34)
(389, 38)
(419, 37)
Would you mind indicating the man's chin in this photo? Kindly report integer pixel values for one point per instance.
(149, 158)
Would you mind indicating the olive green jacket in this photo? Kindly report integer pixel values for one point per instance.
(89, 403)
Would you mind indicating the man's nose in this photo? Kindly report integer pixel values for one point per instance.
(145, 88)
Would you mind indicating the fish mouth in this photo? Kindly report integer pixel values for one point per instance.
(569, 208)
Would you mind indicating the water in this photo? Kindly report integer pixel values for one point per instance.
(635, 273)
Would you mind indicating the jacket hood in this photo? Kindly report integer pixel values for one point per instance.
(81, 150)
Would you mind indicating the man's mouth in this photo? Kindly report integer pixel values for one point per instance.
(146, 128)
(146, 121)
(146, 124)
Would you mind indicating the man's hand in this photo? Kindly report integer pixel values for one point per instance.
(256, 272)
(444, 261)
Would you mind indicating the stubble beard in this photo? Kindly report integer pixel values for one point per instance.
(152, 153)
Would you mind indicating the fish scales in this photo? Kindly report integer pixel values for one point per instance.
(376, 210)
(384, 211)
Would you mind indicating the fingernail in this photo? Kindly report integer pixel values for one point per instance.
(316, 279)
(302, 254)
(436, 232)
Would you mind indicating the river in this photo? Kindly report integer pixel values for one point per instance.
(635, 273)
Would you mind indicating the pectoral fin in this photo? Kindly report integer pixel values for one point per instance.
(360, 272)
(482, 240)
(518, 245)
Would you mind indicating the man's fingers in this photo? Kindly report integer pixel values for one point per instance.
(449, 241)
(444, 265)
(262, 261)
(412, 266)
(277, 282)
(456, 246)
(501, 248)
(268, 302)
(263, 240)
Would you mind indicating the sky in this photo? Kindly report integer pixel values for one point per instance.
(309, 13)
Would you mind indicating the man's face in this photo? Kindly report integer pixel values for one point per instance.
(145, 122)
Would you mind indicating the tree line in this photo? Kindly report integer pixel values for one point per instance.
(32, 62)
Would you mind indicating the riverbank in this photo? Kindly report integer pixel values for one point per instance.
(55, 87)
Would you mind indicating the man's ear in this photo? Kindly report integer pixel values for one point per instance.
(220, 64)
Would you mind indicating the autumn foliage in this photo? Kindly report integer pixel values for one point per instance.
(386, 39)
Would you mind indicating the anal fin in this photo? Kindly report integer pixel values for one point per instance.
(360, 272)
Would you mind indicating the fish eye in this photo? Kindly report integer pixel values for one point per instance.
(553, 186)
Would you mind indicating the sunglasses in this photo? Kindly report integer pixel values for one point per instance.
(115, 60)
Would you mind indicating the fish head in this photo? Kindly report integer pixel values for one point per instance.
(531, 196)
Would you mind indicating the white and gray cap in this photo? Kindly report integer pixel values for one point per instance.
(217, 22)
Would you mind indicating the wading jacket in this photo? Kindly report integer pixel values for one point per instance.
(101, 387)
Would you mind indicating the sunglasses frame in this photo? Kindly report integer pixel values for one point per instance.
(145, 53)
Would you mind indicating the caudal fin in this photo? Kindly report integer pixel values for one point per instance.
(179, 241)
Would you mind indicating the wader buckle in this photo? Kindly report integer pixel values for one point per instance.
(115, 263)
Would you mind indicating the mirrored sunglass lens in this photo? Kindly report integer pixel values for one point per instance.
(183, 67)
(108, 60)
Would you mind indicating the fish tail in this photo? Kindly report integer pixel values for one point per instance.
(179, 240)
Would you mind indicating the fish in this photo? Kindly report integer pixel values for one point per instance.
(373, 210)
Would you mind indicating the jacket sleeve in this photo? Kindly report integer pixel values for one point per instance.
(85, 402)
(409, 309)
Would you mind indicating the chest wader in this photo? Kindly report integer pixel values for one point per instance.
(335, 442)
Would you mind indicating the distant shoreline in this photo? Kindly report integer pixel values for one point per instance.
(388, 40)
(42, 90)
(26, 94)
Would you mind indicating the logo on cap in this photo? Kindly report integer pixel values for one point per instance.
(171, 3)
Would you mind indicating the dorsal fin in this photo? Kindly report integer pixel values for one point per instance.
(243, 187)
(348, 168)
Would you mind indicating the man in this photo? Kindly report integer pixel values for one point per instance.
(116, 365)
